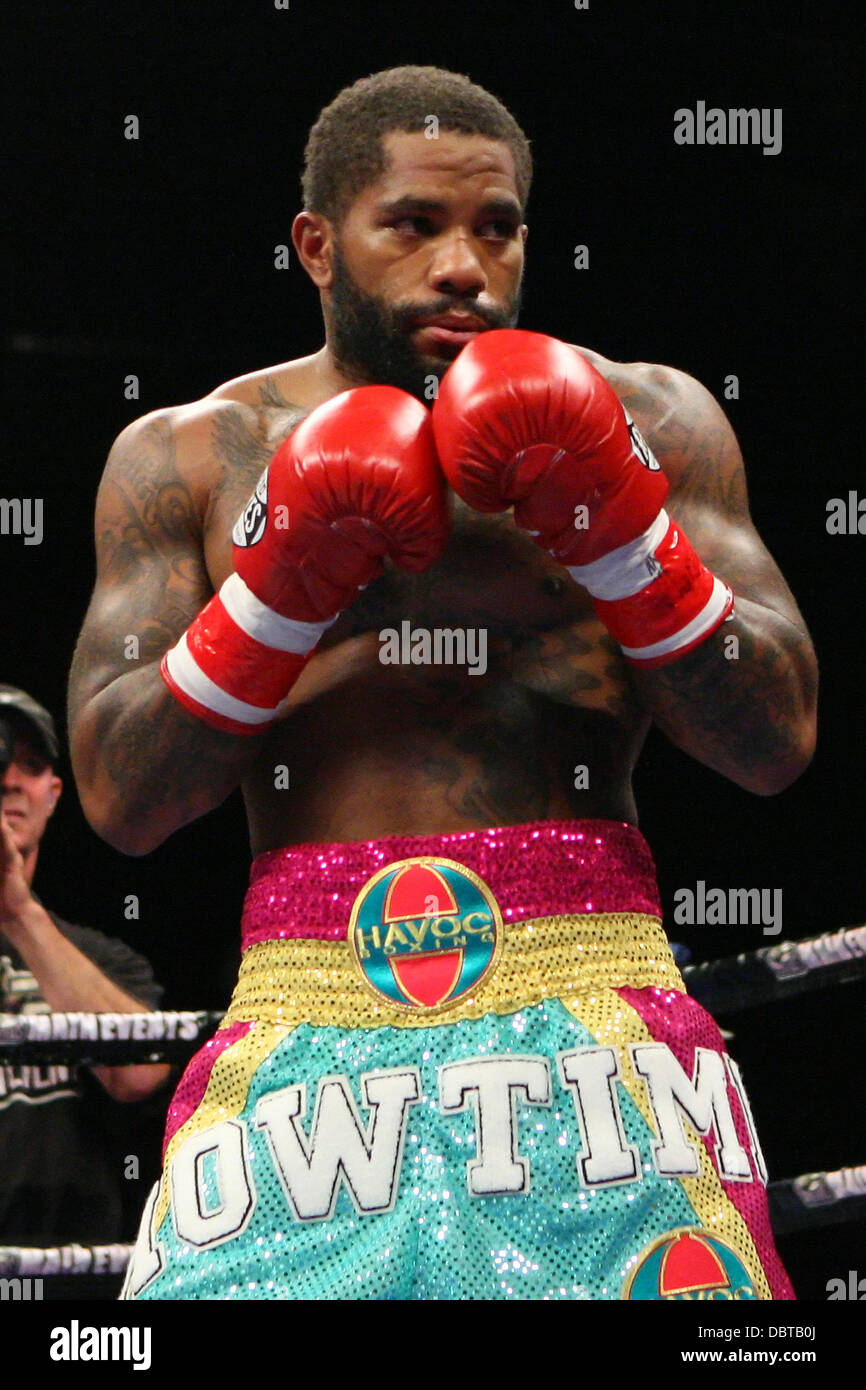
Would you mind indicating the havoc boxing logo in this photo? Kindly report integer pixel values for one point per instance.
(250, 525)
(424, 932)
(688, 1264)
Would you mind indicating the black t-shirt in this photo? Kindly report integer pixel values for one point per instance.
(61, 1179)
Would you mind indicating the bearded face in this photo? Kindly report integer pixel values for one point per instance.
(376, 342)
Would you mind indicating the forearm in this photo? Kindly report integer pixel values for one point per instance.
(746, 707)
(145, 767)
(71, 983)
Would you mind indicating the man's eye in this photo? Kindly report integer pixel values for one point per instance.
(422, 225)
(501, 230)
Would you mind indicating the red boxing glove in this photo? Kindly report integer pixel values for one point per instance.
(523, 420)
(356, 481)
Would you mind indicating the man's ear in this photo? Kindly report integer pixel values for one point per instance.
(56, 789)
(313, 239)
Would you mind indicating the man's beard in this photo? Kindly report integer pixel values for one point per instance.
(372, 341)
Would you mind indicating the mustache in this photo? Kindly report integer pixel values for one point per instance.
(408, 314)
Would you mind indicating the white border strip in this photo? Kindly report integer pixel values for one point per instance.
(706, 619)
(624, 571)
(261, 623)
(188, 675)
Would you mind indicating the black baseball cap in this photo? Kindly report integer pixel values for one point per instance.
(37, 718)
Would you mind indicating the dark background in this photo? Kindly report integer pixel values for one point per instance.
(155, 257)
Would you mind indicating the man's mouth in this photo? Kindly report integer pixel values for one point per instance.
(450, 330)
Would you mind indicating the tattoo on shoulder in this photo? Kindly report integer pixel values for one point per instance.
(271, 396)
(239, 438)
(683, 425)
(247, 437)
(149, 507)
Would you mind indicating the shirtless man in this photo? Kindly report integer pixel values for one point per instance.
(452, 942)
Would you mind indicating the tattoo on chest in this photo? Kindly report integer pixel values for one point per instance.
(245, 440)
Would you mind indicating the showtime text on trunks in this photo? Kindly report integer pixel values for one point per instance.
(324, 1148)
(732, 907)
(439, 646)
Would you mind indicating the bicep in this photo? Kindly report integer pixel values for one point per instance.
(700, 454)
(151, 578)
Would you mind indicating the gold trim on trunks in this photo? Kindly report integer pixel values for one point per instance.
(299, 980)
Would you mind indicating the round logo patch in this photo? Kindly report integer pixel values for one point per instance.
(424, 933)
(688, 1265)
(640, 446)
(250, 525)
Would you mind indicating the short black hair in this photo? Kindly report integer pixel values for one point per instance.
(344, 152)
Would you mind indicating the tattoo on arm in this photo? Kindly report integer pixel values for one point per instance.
(135, 741)
(741, 713)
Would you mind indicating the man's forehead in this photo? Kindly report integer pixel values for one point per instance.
(27, 745)
(451, 156)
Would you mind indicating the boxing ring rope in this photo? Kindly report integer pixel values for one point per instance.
(104, 1039)
(728, 985)
(723, 986)
(778, 972)
(796, 1204)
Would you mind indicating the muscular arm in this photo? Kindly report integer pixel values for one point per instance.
(744, 708)
(144, 767)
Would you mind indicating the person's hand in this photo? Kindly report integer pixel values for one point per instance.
(14, 889)
(357, 481)
(524, 421)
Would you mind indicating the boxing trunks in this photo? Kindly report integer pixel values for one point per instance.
(460, 1067)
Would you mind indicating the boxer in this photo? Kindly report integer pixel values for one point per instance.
(459, 1061)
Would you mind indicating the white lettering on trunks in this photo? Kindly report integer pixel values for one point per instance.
(703, 1100)
(605, 1156)
(339, 1147)
(211, 1175)
(148, 1256)
(737, 1083)
(212, 1190)
(493, 1085)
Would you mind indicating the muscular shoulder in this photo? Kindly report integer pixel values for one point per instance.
(684, 424)
(199, 445)
(170, 447)
(272, 388)
(658, 393)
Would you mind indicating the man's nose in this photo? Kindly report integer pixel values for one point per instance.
(11, 779)
(456, 267)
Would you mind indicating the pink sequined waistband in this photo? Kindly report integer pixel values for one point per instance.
(534, 870)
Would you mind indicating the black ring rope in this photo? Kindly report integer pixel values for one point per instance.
(723, 986)
(796, 1204)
